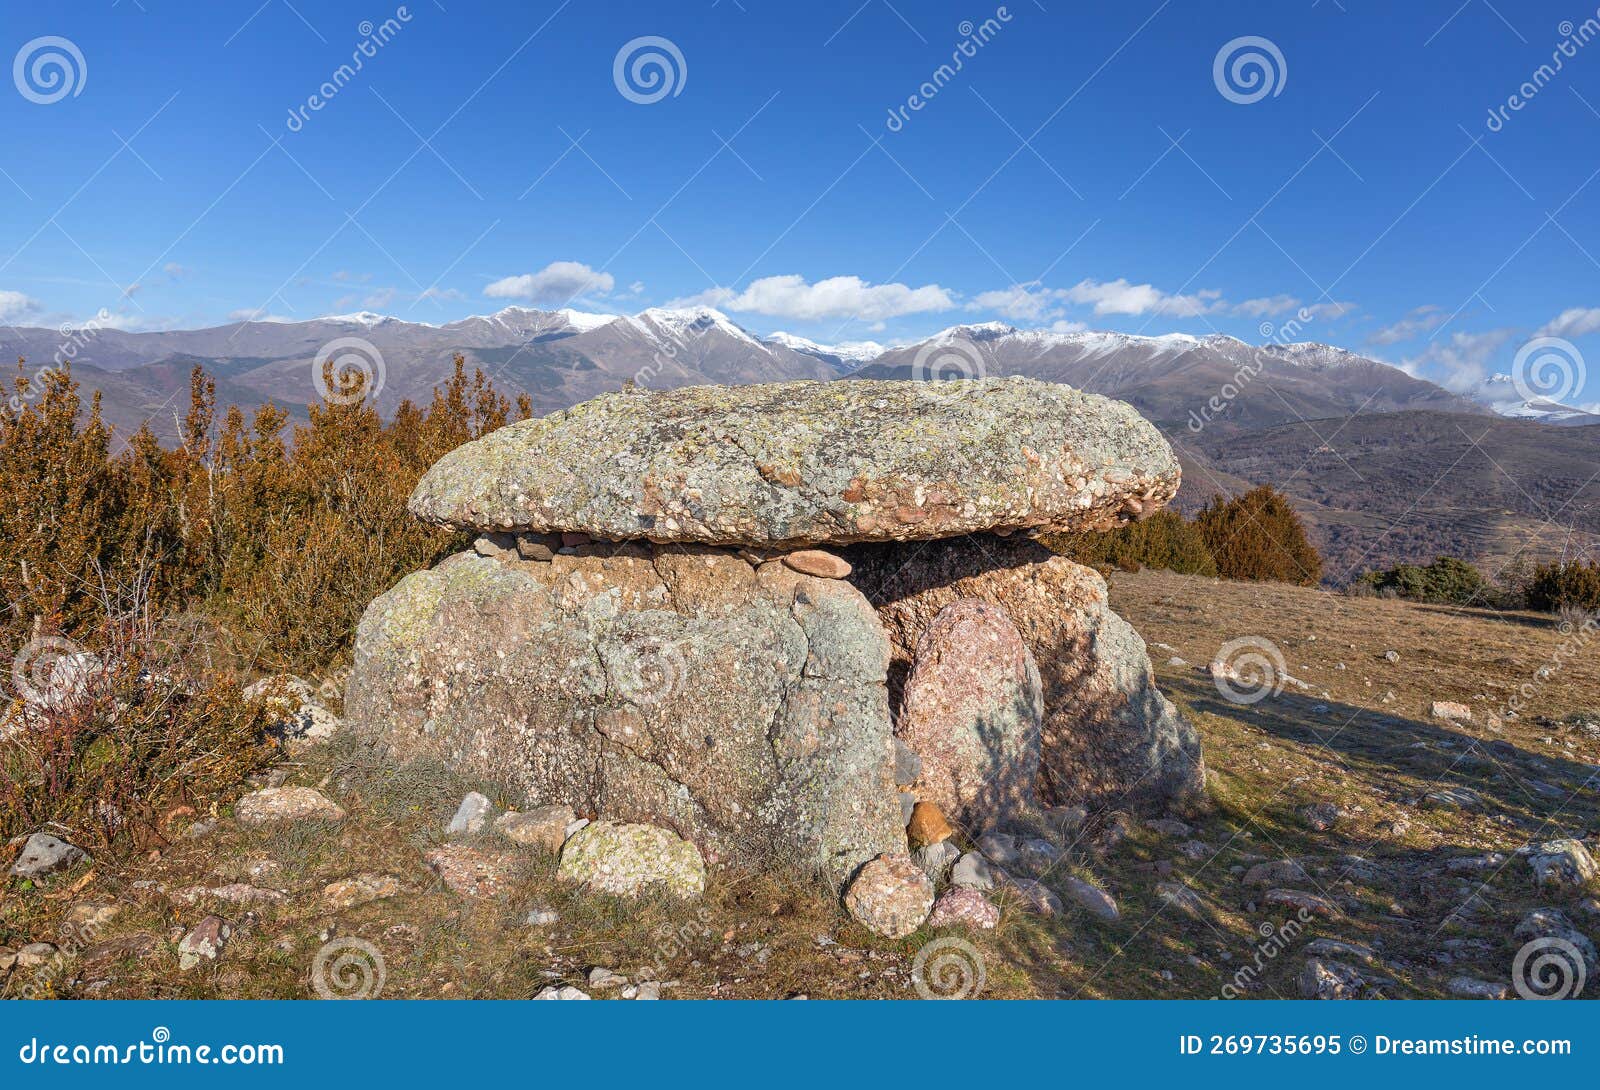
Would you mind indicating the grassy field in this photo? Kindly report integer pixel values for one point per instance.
(1407, 883)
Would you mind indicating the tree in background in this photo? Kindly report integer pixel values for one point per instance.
(1258, 536)
(1567, 584)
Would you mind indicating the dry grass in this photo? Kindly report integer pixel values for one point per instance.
(767, 937)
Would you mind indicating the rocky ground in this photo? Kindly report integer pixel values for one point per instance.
(1358, 841)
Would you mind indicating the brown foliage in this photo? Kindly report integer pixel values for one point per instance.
(1258, 536)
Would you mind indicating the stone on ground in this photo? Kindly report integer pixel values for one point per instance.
(1323, 978)
(204, 944)
(360, 889)
(960, 906)
(817, 562)
(298, 716)
(471, 816)
(890, 896)
(972, 870)
(1563, 864)
(927, 825)
(628, 859)
(42, 854)
(542, 827)
(471, 871)
(272, 805)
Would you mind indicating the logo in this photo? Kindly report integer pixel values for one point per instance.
(1547, 369)
(1548, 968)
(349, 968)
(948, 968)
(348, 370)
(48, 69)
(1248, 670)
(648, 69)
(1248, 69)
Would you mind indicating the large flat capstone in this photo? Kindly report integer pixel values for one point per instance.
(801, 463)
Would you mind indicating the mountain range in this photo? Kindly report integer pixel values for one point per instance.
(1358, 444)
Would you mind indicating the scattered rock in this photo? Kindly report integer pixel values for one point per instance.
(1450, 711)
(542, 827)
(1275, 872)
(542, 917)
(1551, 923)
(359, 890)
(1466, 987)
(973, 872)
(1037, 855)
(1471, 864)
(298, 715)
(1301, 901)
(890, 896)
(236, 893)
(600, 977)
(961, 906)
(35, 955)
(1037, 896)
(1196, 850)
(625, 859)
(1168, 827)
(205, 943)
(471, 816)
(1563, 864)
(1391, 656)
(470, 871)
(565, 991)
(42, 854)
(928, 825)
(817, 562)
(1326, 979)
(936, 860)
(84, 921)
(1066, 819)
(1320, 816)
(1336, 948)
(1179, 896)
(1091, 897)
(279, 804)
(648, 990)
(999, 848)
(1453, 798)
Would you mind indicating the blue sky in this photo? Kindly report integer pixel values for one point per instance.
(1082, 168)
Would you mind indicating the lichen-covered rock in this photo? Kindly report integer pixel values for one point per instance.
(962, 906)
(204, 944)
(628, 859)
(42, 853)
(542, 827)
(1563, 864)
(470, 871)
(798, 463)
(746, 709)
(276, 804)
(1109, 737)
(971, 710)
(297, 713)
(890, 896)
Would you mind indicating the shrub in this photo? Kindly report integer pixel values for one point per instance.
(1565, 584)
(1164, 540)
(1446, 580)
(1258, 536)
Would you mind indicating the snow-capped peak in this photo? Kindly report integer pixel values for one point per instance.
(850, 351)
(678, 323)
(360, 317)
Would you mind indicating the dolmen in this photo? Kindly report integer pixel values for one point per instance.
(771, 619)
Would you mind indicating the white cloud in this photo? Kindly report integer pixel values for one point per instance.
(1573, 322)
(14, 305)
(835, 297)
(557, 282)
(1020, 302)
(1414, 324)
(257, 314)
(1121, 297)
(379, 299)
(1460, 363)
(1328, 312)
(175, 270)
(1067, 327)
(1269, 306)
(439, 295)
